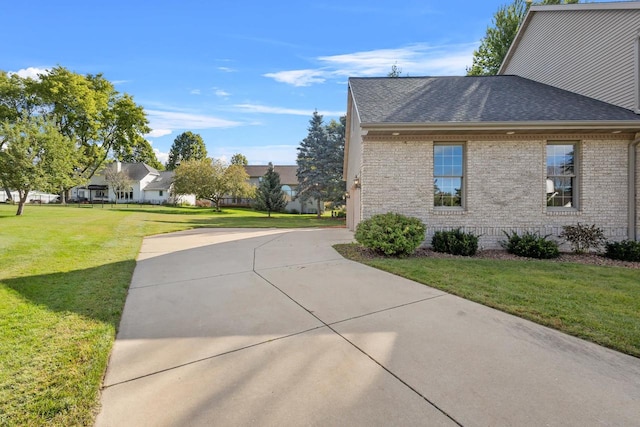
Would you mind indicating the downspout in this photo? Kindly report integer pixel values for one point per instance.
(632, 231)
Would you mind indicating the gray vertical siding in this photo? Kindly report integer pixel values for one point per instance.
(590, 52)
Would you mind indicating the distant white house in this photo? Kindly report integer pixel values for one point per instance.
(148, 185)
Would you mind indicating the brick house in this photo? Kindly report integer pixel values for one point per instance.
(489, 154)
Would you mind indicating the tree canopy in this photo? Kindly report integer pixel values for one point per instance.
(85, 109)
(34, 155)
(488, 58)
(269, 195)
(320, 161)
(239, 159)
(142, 152)
(186, 146)
(211, 179)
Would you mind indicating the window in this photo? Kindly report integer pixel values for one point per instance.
(160, 193)
(561, 175)
(448, 174)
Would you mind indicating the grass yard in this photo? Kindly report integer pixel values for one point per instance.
(600, 304)
(64, 274)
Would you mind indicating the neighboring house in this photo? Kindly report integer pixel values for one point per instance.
(592, 49)
(289, 181)
(148, 185)
(491, 155)
(38, 197)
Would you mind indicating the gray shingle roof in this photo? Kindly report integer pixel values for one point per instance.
(135, 171)
(162, 182)
(287, 173)
(474, 100)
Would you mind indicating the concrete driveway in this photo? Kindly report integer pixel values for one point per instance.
(274, 328)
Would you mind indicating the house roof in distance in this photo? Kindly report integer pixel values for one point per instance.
(472, 99)
(287, 172)
(162, 182)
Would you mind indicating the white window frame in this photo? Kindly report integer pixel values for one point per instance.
(463, 190)
(575, 188)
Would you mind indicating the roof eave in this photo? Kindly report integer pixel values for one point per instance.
(613, 125)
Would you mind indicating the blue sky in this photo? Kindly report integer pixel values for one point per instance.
(246, 75)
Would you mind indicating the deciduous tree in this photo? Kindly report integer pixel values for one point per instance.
(85, 109)
(141, 152)
(33, 155)
(117, 180)
(186, 146)
(210, 179)
(269, 195)
(239, 159)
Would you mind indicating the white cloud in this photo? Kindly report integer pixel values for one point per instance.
(221, 93)
(120, 82)
(257, 108)
(299, 77)
(162, 157)
(31, 72)
(156, 133)
(172, 120)
(226, 69)
(416, 59)
(195, 92)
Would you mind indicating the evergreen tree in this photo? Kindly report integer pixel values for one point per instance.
(269, 195)
(186, 146)
(320, 162)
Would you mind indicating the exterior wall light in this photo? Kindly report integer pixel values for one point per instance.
(356, 182)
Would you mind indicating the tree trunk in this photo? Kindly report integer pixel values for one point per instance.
(22, 199)
(319, 204)
(9, 196)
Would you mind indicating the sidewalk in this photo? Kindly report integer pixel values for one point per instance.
(273, 327)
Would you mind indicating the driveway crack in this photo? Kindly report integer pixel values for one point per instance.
(329, 326)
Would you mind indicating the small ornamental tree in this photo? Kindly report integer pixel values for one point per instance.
(117, 180)
(269, 195)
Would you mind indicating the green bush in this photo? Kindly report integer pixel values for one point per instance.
(627, 250)
(531, 245)
(455, 242)
(583, 237)
(391, 234)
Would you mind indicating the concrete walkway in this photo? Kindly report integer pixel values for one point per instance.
(240, 327)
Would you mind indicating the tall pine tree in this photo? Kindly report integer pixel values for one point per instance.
(269, 195)
(320, 157)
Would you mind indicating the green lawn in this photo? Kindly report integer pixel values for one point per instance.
(600, 304)
(64, 274)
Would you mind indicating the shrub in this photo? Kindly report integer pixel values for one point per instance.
(391, 234)
(626, 250)
(531, 245)
(583, 237)
(455, 242)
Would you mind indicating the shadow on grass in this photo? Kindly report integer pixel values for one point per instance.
(98, 293)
